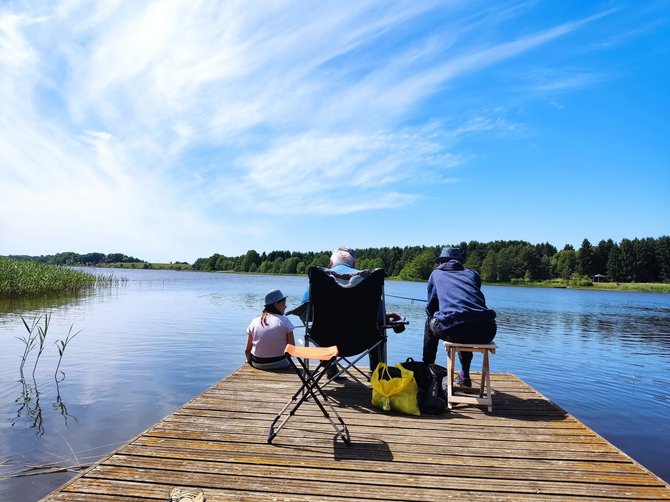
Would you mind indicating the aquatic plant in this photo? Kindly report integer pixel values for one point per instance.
(29, 400)
(32, 337)
(42, 335)
(62, 345)
(27, 278)
(28, 341)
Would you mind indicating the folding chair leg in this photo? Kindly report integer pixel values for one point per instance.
(310, 384)
(306, 393)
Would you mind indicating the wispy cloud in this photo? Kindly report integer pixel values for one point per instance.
(548, 80)
(192, 114)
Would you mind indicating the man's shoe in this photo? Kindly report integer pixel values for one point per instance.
(462, 380)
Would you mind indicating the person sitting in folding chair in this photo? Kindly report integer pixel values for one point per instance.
(269, 333)
(343, 261)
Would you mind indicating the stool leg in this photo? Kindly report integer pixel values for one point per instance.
(485, 397)
(451, 355)
(486, 377)
(482, 380)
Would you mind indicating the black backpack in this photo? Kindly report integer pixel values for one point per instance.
(428, 378)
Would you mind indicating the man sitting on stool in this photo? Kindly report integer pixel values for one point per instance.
(456, 311)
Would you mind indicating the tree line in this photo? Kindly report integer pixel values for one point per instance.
(73, 259)
(631, 260)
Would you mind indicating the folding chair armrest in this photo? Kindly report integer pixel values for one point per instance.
(303, 311)
(299, 310)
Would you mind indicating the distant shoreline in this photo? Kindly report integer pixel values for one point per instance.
(630, 287)
(626, 287)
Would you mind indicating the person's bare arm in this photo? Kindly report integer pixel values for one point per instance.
(247, 350)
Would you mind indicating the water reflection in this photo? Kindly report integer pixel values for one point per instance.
(29, 407)
(29, 410)
(9, 305)
(60, 405)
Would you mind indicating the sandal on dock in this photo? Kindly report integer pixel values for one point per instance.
(186, 495)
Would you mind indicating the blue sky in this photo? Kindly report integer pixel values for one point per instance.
(173, 130)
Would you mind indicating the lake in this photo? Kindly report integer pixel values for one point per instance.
(153, 342)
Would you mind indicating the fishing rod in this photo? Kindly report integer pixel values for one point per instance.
(407, 298)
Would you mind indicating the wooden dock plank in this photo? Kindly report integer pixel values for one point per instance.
(527, 449)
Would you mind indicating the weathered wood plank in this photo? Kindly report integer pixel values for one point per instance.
(363, 484)
(373, 450)
(411, 462)
(347, 470)
(101, 490)
(418, 443)
(527, 449)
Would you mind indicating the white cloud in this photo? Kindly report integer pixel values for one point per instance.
(141, 124)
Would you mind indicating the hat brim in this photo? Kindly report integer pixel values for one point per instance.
(275, 301)
(445, 259)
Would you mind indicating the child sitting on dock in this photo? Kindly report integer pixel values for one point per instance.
(268, 334)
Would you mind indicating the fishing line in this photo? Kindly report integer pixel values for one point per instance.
(407, 298)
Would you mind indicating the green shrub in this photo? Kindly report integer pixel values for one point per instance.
(580, 281)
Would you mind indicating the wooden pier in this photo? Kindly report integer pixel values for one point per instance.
(527, 449)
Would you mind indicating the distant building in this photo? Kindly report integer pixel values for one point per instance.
(599, 278)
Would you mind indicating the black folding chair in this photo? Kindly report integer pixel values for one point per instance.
(347, 310)
(310, 387)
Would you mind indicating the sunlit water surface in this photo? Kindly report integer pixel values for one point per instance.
(149, 345)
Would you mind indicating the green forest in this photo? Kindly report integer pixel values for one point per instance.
(636, 260)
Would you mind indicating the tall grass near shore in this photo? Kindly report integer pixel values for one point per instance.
(20, 278)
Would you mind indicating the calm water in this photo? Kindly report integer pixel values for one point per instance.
(150, 345)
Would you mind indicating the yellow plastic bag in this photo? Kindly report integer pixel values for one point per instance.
(396, 393)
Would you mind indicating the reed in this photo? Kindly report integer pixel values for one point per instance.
(19, 278)
(28, 341)
(31, 339)
(41, 336)
(29, 400)
(106, 280)
(62, 345)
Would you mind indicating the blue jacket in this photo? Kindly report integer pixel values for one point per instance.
(455, 296)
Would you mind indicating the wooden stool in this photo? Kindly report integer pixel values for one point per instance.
(484, 398)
